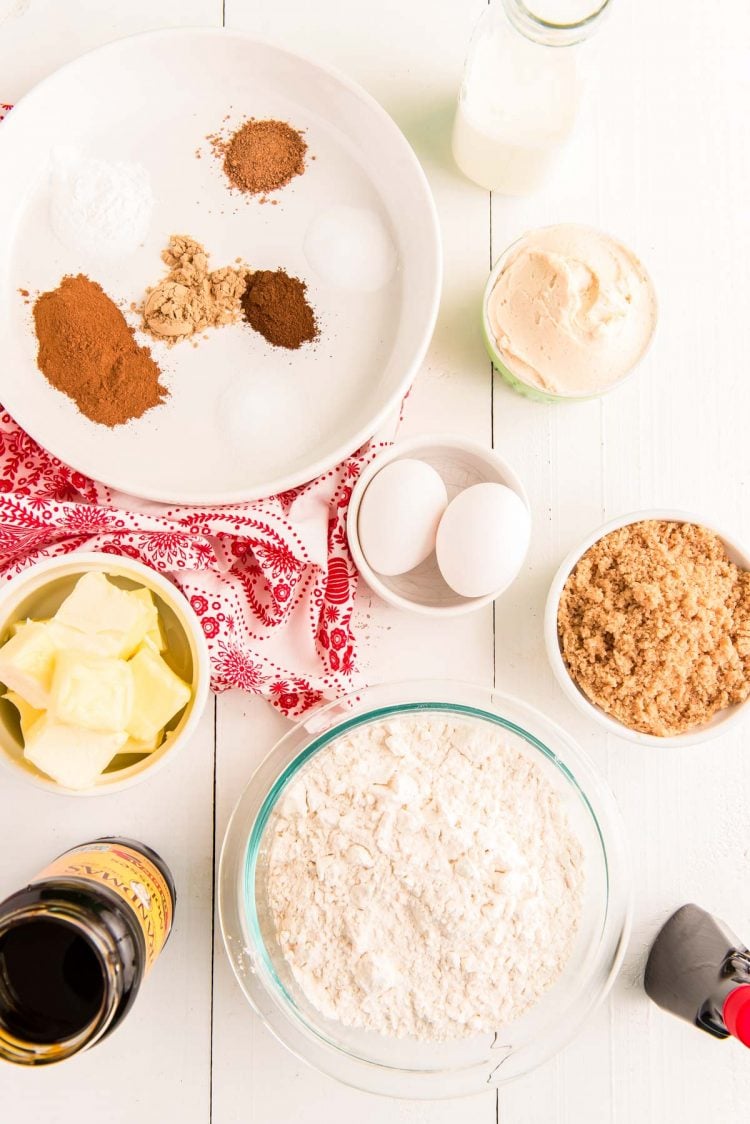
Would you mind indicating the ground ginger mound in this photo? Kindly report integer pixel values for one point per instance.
(654, 626)
(87, 351)
(191, 297)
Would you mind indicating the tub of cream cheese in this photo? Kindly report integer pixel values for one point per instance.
(568, 313)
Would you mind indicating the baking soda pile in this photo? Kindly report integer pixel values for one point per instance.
(99, 207)
(423, 879)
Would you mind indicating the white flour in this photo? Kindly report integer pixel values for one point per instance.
(423, 879)
(98, 207)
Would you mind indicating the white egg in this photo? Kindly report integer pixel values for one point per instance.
(482, 539)
(399, 516)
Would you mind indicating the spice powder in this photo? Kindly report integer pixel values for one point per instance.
(276, 305)
(190, 298)
(262, 156)
(88, 351)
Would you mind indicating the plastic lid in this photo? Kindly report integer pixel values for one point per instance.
(736, 1013)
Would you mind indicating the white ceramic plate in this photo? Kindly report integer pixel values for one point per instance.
(243, 420)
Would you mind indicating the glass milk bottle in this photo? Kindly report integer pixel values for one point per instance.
(521, 90)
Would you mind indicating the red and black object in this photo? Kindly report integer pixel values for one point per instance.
(700, 971)
(736, 1013)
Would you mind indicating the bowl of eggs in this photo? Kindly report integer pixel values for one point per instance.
(439, 525)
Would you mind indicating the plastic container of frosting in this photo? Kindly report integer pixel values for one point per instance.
(568, 313)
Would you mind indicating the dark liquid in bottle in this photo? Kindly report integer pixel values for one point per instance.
(51, 981)
(75, 945)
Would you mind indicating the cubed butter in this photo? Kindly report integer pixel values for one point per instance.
(27, 661)
(159, 694)
(100, 618)
(93, 692)
(27, 714)
(71, 756)
(154, 635)
(18, 626)
(135, 745)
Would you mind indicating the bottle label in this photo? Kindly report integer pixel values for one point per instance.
(131, 876)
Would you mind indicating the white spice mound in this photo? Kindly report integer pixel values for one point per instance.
(98, 207)
(423, 879)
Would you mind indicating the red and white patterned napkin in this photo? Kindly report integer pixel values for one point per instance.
(272, 582)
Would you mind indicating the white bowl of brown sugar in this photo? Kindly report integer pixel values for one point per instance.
(647, 628)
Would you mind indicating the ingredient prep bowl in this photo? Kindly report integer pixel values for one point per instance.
(461, 464)
(406, 1067)
(39, 591)
(722, 721)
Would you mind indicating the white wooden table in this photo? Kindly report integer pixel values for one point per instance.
(662, 159)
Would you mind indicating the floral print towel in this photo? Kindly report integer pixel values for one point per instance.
(272, 582)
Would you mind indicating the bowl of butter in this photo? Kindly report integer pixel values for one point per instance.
(104, 673)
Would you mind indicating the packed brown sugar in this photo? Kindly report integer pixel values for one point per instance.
(654, 626)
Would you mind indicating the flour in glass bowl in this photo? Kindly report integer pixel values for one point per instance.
(423, 879)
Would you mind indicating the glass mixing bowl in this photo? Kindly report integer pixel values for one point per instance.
(406, 1067)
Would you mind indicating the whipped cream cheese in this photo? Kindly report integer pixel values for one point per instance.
(572, 310)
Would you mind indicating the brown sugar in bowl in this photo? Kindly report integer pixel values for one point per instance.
(721, 721)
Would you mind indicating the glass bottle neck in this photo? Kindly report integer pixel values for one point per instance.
(556, 23)
(24, 1037)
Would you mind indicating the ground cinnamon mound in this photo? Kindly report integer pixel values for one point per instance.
(263, 156)
(654, 626)
(87, 351)
(276, 305)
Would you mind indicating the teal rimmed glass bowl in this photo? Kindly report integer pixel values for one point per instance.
(406, 1067)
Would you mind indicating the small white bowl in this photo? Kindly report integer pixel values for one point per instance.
(722, 721)
(461, 464)
(39, 591)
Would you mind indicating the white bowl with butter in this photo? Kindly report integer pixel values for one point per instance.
(37, 594)
(568, 313)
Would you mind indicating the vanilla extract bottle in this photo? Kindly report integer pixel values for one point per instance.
(75, 946)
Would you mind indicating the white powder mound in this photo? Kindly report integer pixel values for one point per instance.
(351, 248)
(98, 207)
(423, 879)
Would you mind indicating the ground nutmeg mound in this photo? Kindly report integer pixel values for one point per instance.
(654, 626)
(87, 351)
(262, 156)
(276, 305)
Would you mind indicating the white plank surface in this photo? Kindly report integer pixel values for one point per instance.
(662, 158)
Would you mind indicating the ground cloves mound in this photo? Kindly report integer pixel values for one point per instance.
(654, 626)
(87, 351)
(262, 156)
(276, 305)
